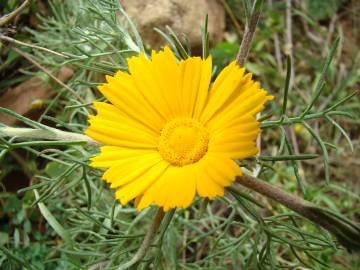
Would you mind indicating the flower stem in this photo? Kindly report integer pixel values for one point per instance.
(347, 233)
(249, 33)
(9, 17)
(292, 202)
(21, 43)
(47, 134)
(149, 237)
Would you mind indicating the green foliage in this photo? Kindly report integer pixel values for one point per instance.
(68, 219)
(224, 52)
(320, 10)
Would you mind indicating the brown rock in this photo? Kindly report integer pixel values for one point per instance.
(22, 99)
(183, 16)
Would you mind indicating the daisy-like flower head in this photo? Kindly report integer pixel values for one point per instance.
(168, 134)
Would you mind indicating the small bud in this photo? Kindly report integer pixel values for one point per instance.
(37, 104)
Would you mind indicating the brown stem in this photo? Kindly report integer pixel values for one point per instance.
(292, 202)
(289, 41)
(249, 33)
(277, 46)
(149, 237)
(9, 17)
(49, 134)
(345, 230)
(21, 43)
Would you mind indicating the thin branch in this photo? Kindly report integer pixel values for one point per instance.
(140, 254)
(289, 41)
(99, 265)
(18, 42)
(289, 26)
(345, 230)
(292, 202)
(249, 33)
(330, 34)
(245, 47)
(277, 46)
(49, 134)
(278, 53)
(9, 17)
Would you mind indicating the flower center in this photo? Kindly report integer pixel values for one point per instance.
(183, 141)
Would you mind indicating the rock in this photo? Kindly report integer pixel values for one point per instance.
(26, 96)
(183, 16)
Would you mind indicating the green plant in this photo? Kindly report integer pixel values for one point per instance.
(86, 229)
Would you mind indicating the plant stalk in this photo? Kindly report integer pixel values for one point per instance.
(347, 233)
(249, 33)
(49, 134)
(21, 43)
(9, 17)
(149, 237)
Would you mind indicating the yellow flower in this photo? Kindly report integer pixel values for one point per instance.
(168, 136)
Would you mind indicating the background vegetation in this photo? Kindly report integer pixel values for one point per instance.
(55, 213)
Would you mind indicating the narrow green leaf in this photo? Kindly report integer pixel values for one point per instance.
(247, 10)
(235, 192)
(249, 209)
(258, 5)
(341, 101)
(24, 119)
(323, 148)
(58, 228)
(88, 188)
(88, 215)
(321, 81)
(288, 157)
(293, 163)
(12, 256)
(205, 38)
(183, 53)
(343, 132)
(287, 85)
(165, 224)
(55, 184)
(45, 143)
(136, 34)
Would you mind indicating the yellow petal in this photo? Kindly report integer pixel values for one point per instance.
(148, 81)
(206, 186)
(165, 69)
(240, 137)
(137, 187)
(122, 132)
(194, 81)
(111, 155)
(127, 169)
(109, 136)
(220, 169)
(202, 93)
(233, 95)
(124, 94)
(110, 113)
(223, 89)
(133, 173)
(175, 188)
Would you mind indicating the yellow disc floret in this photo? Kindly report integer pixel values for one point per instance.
(183, 141)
